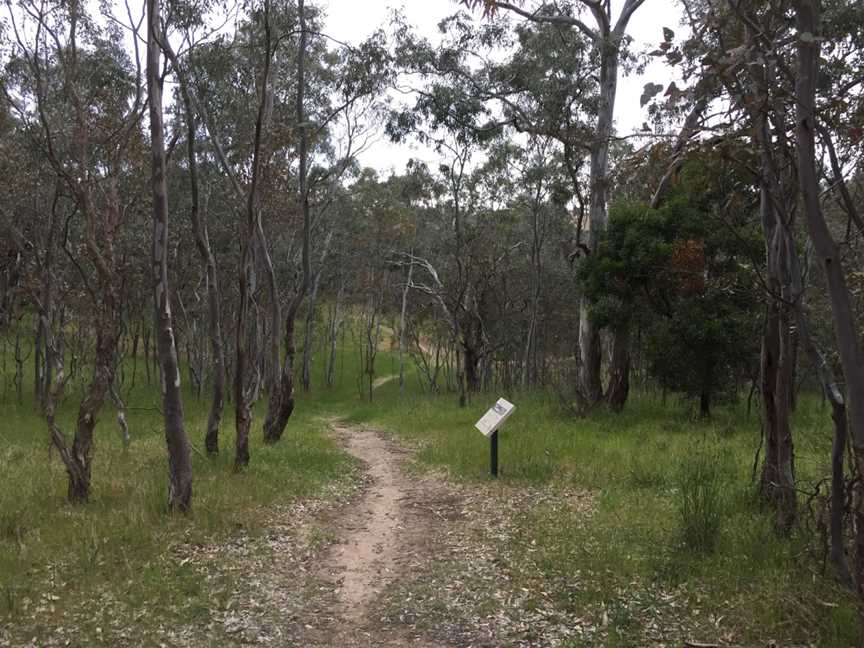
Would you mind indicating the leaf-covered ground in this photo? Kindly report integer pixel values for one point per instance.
(576, 544)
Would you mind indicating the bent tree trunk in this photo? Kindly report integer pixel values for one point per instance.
(179, 461)
(274, 429)
(100, 228)
(77, 459)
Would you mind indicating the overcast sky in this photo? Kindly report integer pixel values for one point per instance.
(353, 20)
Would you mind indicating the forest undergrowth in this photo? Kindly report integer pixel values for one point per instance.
(611, 530)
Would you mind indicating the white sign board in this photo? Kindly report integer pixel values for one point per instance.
(496, 415)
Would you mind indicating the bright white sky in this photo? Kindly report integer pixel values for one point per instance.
(353, 20)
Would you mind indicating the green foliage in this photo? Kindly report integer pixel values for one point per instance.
(683, 276)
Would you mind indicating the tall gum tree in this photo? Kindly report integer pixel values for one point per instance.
(179, 460)
(71, 127)
(808, 39)
(740, 52)
(608, 35)
(198, 216)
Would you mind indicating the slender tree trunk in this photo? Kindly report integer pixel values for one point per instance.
(242, 402)
(403, 324)
(38, 357)
(18, 379)
(179, 460)
(202, 244)
(147, 352)
(242, 406)
(136, 338)
(46, 310)
(335, 325)
(274, 365)
(767, 385)
(705, 404)
(461, 382)
(529, 358)
(777, 483)
(590, 351)
(845, 326)
(530, 344)
(309, 331)
(831, 391)
(786, 498)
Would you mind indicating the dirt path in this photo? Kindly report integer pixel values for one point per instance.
(366, 556)
(383, 380)
(380, 537)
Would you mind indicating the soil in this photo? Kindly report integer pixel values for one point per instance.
(381, 537)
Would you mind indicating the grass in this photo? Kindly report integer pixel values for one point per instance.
(700, 498)
(631, 553)
(648, 467)
(122, 543)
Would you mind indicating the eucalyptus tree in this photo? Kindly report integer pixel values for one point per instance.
(767, 67)
(246, 81)
(281, 65)
(809, 32)
(608, 37)
(186, 22)
(179, 460)
(558, 80)
(80, 98)
(354, 77)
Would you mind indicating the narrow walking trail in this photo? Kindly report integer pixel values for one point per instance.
(379, 535)
(365, 557)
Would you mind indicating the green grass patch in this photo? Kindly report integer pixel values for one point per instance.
(674, 529)
(122, 545)
(677, 528)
